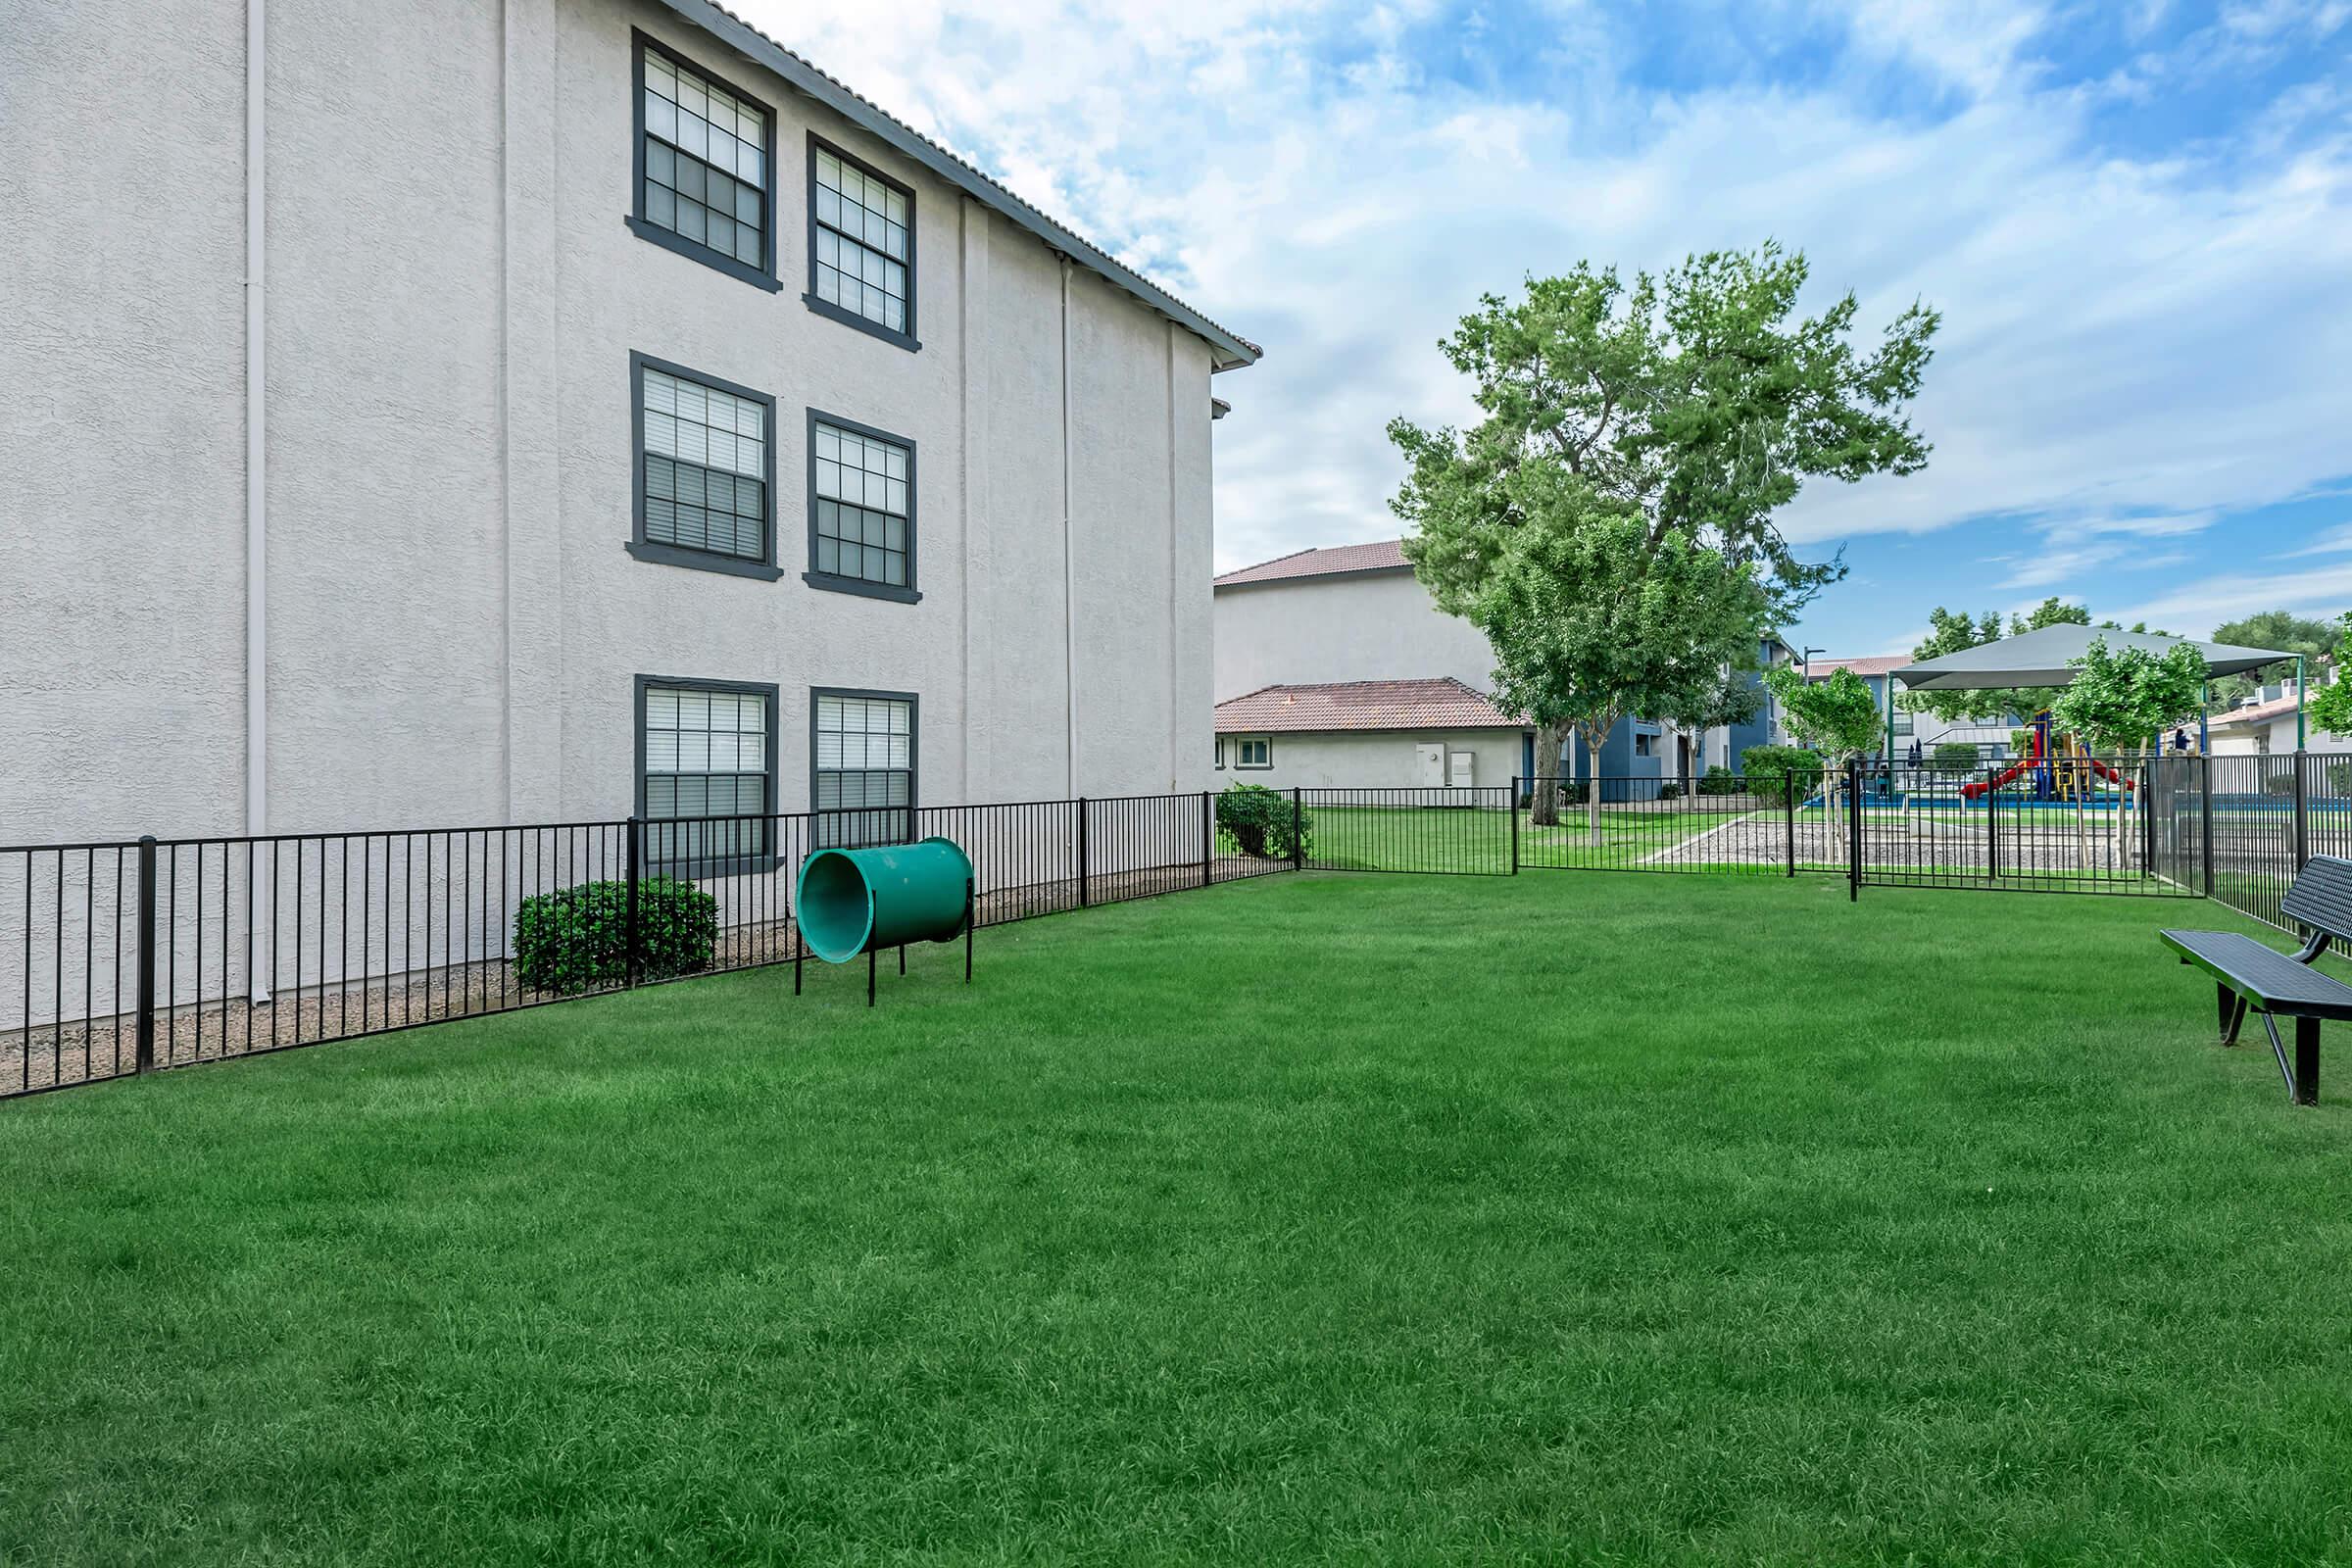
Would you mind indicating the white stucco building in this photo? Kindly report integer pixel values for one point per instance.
(2266, 726)
(435, 413)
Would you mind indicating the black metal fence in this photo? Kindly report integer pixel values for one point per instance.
(120, 956)
(124, 956)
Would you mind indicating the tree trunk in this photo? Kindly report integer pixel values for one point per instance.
(1593, 745)
(1544, 790)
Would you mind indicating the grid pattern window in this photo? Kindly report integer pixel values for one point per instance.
(861, 243)
(864, 507)
(706, 170)
(706, 756)
(706, 467)
(864, 767)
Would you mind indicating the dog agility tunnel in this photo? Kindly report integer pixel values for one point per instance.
(863, 900)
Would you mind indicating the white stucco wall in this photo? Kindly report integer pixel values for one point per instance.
(2273, 737)
(1370, 626)
(1372, 759)
(454, 626)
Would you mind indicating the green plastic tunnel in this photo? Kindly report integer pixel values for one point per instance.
(852, 900)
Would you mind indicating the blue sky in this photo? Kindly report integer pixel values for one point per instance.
(2136, 219)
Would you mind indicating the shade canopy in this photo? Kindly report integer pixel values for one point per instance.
(2047, 657)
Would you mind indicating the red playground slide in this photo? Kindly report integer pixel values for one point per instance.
(2007, 775)
(2108, 774)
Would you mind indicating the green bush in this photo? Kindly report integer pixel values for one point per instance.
(1259, 820)
(2277, 783)
(1670, 791)
(1719, 780)
(1955, 757)
(577, 939)
(1777, 774)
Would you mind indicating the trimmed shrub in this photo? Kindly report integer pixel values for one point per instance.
(1719, 780)
(577, 939)
(1779, 774)
(1955, 757)
(1259, 820)
(1670, 791)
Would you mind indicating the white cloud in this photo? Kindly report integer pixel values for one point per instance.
(2136, 342)
(2196, 606)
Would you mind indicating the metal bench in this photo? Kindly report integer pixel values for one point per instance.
(2279, 985)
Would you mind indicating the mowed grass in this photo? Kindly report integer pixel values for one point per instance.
(1564, 1217)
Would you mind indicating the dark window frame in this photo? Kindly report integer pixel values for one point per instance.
(661, 551)
(842, 313)
(765, 275)
(1241, 749)
(720, 865)
(838, 582)
(914, 761)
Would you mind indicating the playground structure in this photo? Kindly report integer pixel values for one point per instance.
(2056, 769)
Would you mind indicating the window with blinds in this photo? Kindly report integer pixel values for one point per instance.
(860, 506)
(706, 465)
(708, 771)
(862, 773)
(706, 183)
(862, 244)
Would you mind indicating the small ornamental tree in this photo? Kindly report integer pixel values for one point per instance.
(2124, 697)
(1837, 717)
(2327, 709)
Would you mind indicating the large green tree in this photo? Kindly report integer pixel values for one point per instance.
(1696, 402)
(1591, 622)
(1954, 631)
(2282, 629)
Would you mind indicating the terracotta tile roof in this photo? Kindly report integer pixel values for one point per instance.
(738, 33)
(1441, 704)
(1861, 666)
(1385, 555)
(2260, 712)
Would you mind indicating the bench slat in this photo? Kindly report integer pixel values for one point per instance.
(2321, 897)
(2275, 981)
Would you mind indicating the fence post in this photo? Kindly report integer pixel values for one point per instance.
(1853, 830)
(1298, 823)
(2302, 816)
(145, 1058)
(2205, 816)
(628, 970)
(1788, 815)
(1992, 834)
(1085, 896)
(1512, 806)
(1208, 839)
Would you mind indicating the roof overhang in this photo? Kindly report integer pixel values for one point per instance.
(1228, 350)
(2047, 657)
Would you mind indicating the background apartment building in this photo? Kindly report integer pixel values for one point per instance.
(1336, 666)
(435, 413)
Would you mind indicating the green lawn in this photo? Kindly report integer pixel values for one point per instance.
(1562, 1217)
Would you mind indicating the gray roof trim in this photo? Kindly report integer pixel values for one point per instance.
(1231, 350)
(1300, 579)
